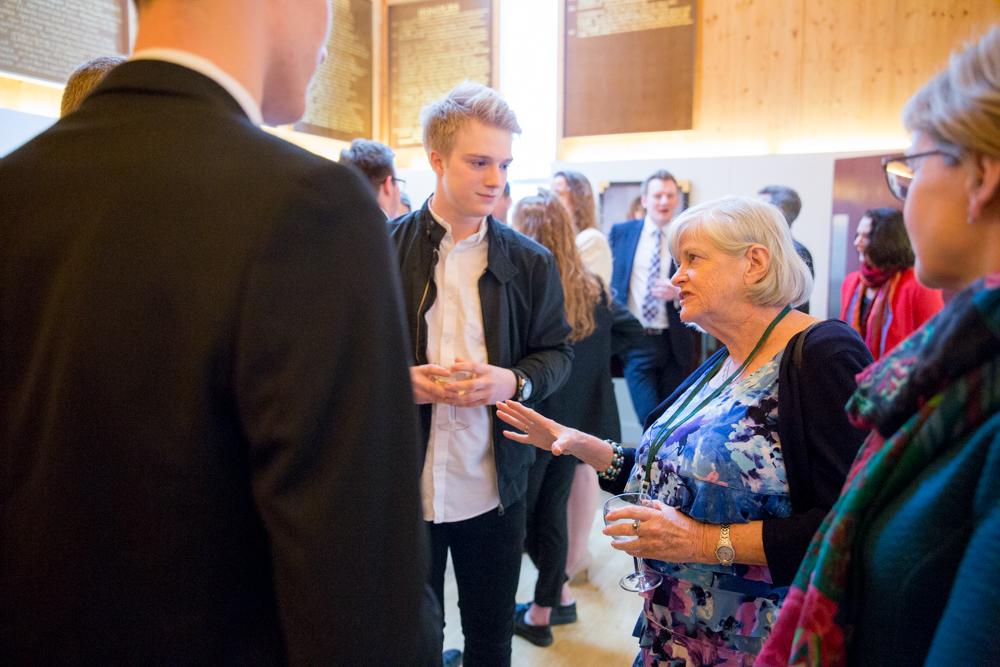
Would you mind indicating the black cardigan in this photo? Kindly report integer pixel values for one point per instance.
(817, 441)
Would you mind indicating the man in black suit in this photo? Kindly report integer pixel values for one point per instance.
(208, 444)
(790, 204)
(640, 281)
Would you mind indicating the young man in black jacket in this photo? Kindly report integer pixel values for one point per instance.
(482, 299)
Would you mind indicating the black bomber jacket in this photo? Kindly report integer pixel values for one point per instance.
(524, 321)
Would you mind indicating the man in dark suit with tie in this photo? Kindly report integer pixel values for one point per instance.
(641, 282)
(208, 444)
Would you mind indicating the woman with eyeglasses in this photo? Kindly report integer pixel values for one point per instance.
(905, 569)
(883, 301)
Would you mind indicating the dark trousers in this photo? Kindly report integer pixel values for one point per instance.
(652, 373)
(486, 552)
(547, 537)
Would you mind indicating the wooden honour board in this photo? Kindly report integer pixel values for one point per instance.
(48, 40)
(339, 103)
(434, 46)
(629, 66)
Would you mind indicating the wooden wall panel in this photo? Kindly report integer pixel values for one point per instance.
(862, 61)
(805, 75)
(750, 68)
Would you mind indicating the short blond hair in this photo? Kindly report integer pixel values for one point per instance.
(733, 225)
(959, 109)
(468, 100)
(84, 79)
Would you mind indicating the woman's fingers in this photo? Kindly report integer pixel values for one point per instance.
(527, 414)
(657, 505)
(636, 512)
(620, 530)
(510, 419)
(518, 437)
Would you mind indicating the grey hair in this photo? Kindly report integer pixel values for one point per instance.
(784, 198)
(733, 225)
(372, 158)
(959, 108)
(468, 100)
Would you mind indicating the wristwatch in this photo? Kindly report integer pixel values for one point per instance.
(523, 391)
(724, 549)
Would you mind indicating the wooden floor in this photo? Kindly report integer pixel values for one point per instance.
(602, 637)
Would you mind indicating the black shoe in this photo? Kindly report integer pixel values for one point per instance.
(563, 614)
(452, 658)
(539, 635)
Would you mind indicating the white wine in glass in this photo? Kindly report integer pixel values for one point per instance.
(639, 581)
(456, 376)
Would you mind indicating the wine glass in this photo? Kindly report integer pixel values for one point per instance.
(639, 581)
(456, 376)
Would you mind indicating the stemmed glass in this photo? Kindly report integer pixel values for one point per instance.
(639, 581)
(456, 376)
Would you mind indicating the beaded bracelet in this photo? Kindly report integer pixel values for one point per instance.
(617, 458)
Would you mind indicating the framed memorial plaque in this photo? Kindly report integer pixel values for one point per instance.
(434, 46)
(48, 40)
(629, 66)
(339, 102)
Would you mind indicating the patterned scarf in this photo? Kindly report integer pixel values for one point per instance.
(930, 392)
(869, 322)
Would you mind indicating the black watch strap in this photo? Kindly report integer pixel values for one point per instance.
(519, 389)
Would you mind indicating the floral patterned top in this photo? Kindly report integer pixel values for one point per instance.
(724, 465)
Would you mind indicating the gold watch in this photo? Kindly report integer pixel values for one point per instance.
(724, 549)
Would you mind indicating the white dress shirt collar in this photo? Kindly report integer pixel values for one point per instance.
(205, 66)
(648, 227)
(472, 240)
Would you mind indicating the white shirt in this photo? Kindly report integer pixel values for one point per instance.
(638, 283)
(205, 66)
(459, 480)
(595, 253)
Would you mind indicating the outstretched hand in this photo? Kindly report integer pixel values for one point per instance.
(539, 431)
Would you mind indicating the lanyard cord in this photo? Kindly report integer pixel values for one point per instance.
(668, 428)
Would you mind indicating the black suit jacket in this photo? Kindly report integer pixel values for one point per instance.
(208, 447)
(624, 240)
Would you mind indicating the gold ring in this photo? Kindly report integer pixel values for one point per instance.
(635, 527)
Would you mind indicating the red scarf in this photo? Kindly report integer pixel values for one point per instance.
(869, 322)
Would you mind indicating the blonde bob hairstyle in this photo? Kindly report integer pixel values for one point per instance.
(441, 120)
(959, 109)
(733, 225)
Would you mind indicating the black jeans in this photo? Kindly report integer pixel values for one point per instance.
(486, 552)
(652, 373)
(549, 483)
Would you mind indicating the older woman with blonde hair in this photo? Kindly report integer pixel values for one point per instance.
(745, 459)
(906, 568)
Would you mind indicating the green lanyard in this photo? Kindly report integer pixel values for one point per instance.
(668, 428)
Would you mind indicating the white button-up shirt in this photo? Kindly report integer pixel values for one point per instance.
(638, 283)
(459, 480)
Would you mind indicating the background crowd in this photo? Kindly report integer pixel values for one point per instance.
(252, 400)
